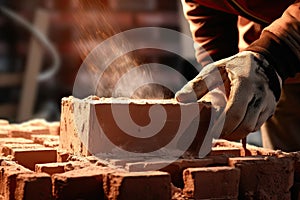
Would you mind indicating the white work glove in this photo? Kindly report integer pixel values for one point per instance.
(252, 90)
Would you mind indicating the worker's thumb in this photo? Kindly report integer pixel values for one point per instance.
(208, 79)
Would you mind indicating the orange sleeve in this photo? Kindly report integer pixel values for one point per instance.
(280, 42)
(215, 32)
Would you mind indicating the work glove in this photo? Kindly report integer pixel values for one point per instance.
(251, 89)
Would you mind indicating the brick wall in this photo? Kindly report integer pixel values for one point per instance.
(223, 174)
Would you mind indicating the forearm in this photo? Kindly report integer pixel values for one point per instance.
(280, 42)
(215, 32)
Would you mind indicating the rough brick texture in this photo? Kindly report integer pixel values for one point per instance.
(35, 186)
(84, 183)
(266, 174)
(51, 168)
(138, 186)
(211, 182)
(80, 133)
(264, 177)
(8, 176)
(28, 158)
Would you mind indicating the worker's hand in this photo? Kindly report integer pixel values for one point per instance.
(252, 90)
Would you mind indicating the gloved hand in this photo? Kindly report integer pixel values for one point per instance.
(252, 88)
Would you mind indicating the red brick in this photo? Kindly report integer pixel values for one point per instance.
(51, 168)
(219, 159)
(86, 183)
(28, 158)
(95, 142)
(54, 128)
(146, 166)
(4, 133)
(138, 185)
(35, 122)
(62, 156)
(3, 158)
(251, 150)
(15, 141)
(124, 19)
(211, 182)
(75, 165)
(160, 164)
(8, 175)
(8, 148)
(46, 140)
(165, 19)
(176, 168)
(228, 151)
(26, 131)
(35, 186)
(20, 133)
(124, 162)
(264, 177)
(3, 122)
(60, 5)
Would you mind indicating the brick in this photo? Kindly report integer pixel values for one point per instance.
(4, 122)
(8, 175)
(35, 122)
(52, 144)
(54, 128)
(251, 150)
(123, 162)
(146, 166)
(138, 185)
(229, 151)
(33, 186)
(80, 133)
(28, 158)
(7, 149)
(62, 156)
(20, 133)
(161, 19)
(75, 165)
(15, 141)
(4, 133)
(264, 177)
(176, 168)
(3, 158)
(27, 131)
(124, 19)
(51, 168)
(211, 182)
(219, 159)
(60, 5)
(86, 183)
(41, 139)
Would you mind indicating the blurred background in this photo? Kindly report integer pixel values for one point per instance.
(73, 27)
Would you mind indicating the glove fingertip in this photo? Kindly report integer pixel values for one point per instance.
(184, 97)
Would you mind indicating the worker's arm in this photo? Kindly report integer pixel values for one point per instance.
(252, 78)
(213, 30)
(280, 42)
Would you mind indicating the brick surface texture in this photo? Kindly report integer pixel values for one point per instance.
(29, 169)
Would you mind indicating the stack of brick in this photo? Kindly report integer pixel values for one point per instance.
(30, 170)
